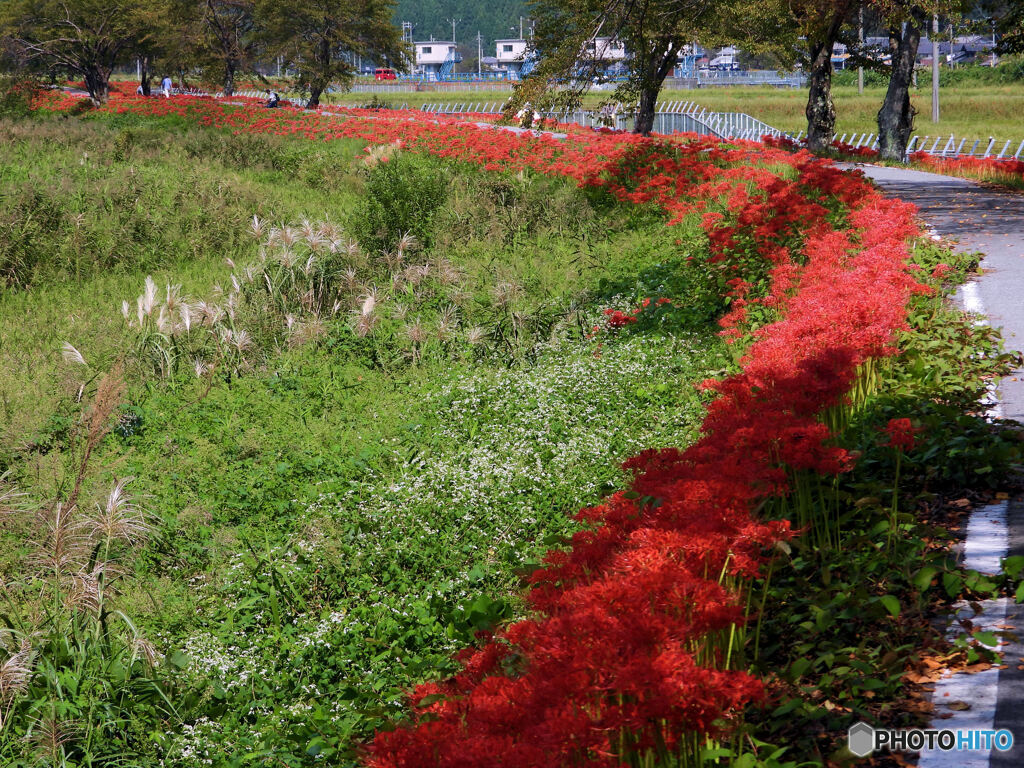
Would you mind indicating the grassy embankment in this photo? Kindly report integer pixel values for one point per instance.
(333, 489)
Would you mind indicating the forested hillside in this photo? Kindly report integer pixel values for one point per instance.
(495, 19)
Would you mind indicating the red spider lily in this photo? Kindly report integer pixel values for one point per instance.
(974, 167)
(900, 434)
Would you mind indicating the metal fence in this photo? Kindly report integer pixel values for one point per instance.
(670, 117)
(753, 77)
(951, 147)
(689, 117)
(417, 87)
(940, 146)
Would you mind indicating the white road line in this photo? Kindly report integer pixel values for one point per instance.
(980, 691)
(970, 299)
(988, 538)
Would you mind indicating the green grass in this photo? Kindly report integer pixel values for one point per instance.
(88, 208)
(333, 517)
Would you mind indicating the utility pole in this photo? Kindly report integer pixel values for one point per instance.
(860, 37)
(479, 53)
(935, 69)
(520, 27)
(453, 22)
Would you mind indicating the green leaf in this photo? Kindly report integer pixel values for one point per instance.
(952, 583)
(1013, 566)
(798, 667)
(923, 578)
(986, 638)
(891, 604)
(178, 659)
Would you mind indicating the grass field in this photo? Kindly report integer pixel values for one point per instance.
(973, 111)
(389, 461)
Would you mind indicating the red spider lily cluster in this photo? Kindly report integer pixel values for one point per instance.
(900, 434)
(984, 168)
(616, 318)
(788, 142)
(977, 167)
(626, 649)
(852, 151)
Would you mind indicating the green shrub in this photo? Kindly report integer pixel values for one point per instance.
(403, 194)
(1010, 70)
(16, 95)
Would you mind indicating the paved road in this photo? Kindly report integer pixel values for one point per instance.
(992, 222)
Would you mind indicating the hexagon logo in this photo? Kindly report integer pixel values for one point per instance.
(860, 739)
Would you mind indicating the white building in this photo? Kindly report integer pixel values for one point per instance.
(435, 58)
(510, 54)
(606, 50)
(727, 59)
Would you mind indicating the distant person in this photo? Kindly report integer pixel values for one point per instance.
(527, 116)
(139, 91)
(273, 100)
(165, 86)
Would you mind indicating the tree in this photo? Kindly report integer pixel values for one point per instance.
(230, 36)
(176, 42)
(896, 117)
(85, 38)
(819, 22)
(1011, 25)
(321, 38)
(906, 21)
(572, 35)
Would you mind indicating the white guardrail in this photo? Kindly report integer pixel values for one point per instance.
(669, 117)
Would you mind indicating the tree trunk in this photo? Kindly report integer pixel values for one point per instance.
(319, 78)
(645, 111)
(97, 82)
(230, 66)
(146, 75)
(661, 62)
(315, 89)
(821, 111)
(896, 117)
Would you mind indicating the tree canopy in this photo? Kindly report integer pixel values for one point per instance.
(83, 38)
(321, 38)
(570, 39)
